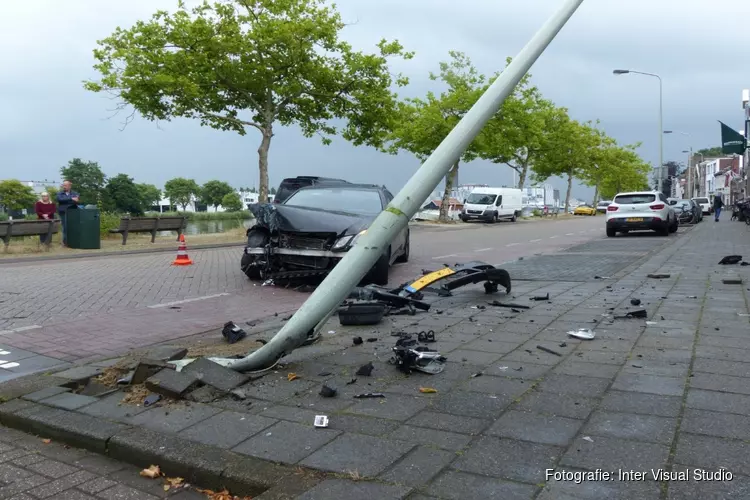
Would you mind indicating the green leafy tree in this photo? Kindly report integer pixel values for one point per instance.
(213, 192)
(87, 178)
(150, 195)
(121, 194)
(273, 191)
(181, 191)
(252, 64)
(422, 124)
(15, 195)
(710, 152)
(231, 202)
(52, 192)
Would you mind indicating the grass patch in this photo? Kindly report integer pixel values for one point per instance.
(199, 216)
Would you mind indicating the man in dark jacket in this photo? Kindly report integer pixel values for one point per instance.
(718, 204)
(65, 199)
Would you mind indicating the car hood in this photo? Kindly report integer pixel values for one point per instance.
(288, 218)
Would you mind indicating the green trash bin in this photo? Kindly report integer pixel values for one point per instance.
(83, 228)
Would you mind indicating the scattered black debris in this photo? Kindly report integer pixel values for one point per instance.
(520, 368)
(369, 395)
(438, 311)
(408, 358)
(743, 263)
(287, 318)
(233, 333)
(127, 379)
(692, 296)
(327, 392)
(638, 313)
(239, 394)
(548, 350)
(178, 308)
(730, 260)
(324, 374)
(529, 351)
(428, 336)
(540, 297)
(563, 344)
(497, 303)
(352, 381)
(635, 302)
(481, 307)
(637, 365)
(365, 370)
(262, 341)
(659, 276)
(357, 340)
(475, 375)
(362, 313)
(515, 310)
(151, 399)
(372, 339)
(732, 281)
(407, 341)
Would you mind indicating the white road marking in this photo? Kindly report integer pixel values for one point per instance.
(552, 237)
(534, 241)
(512, 244)
(9, 365)
(444, 256)
(483, 250)
(570, 234)
(177, 302)
(20, 329)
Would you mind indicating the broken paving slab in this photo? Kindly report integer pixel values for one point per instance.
(45, 393)
(166, 353)
(171, 383)
(215, 375)
(146, 369)
(79, 373)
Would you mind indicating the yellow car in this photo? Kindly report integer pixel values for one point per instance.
(584, 210)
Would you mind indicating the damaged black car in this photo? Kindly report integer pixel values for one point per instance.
(311, 231)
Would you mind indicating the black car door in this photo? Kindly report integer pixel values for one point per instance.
(399, 242)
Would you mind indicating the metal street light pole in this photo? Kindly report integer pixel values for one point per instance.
(661, 116)
(337, 286)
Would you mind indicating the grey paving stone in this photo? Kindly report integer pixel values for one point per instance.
(79, 373)
(453, 485)
(121, 492)
(599, 490)
(491, 346)
(722, 353)
(720, 367)
(446, 422)
(52, 468)
(718, 401)
(515, 369)
(362, 425)
(738, 487)
(418, 467)
(641, 402)
(574, 367)
(45, 393)
(68, 401)
(27, 459)
(96, 485)
(277, 389)
(28, 481)
(99, 464)
(632, 426)
(713, 453)
(571, 406)
(433, 437)
(713, 423)
(340, 489)
(57, 488)
(112, 408)
(558, 431)
(410, 385)
(174, 418)
(471, 404)
(166, 353)
(722, 383)
(474, 357)
(658, 368)
(37, 364)
(366, 455)
(603, 357)
(286, 442)
(393, 406)
(616, 454)
(290, 413)
(509, 459)
(591, 387)
(172, 383)
(227, 429)
(650, 384)
(532, 355)
(215, 375)
(203, 394)
(499, 386)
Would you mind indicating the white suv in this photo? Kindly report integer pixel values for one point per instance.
(704, 204)
(647, 210)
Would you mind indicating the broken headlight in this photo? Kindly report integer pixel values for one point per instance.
(347, 241)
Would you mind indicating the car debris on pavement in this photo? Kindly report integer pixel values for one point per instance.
(233, 333)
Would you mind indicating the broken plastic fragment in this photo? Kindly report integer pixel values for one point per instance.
(357, 341)
(369, 395)
(151, 399)
(46, 441)
(548, 350)
(427, 390)
(327, 392)
(320, 421)
(292, 376)
(582, 333)
(586, 438)
(179, 364)
(365, 370)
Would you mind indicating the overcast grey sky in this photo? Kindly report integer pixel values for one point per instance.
(698, 47)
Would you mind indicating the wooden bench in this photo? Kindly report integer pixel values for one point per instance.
(11, 228)
(150, 225)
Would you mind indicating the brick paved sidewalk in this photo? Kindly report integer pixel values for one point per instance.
(670, 392)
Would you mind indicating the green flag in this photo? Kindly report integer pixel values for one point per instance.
(732, 141)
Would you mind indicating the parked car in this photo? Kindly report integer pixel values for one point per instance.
(705, 205)
(685, 212)
(492, 204)
(290, 185)
(602, 206)
(311, 231)
(639, 211)
(584, 210)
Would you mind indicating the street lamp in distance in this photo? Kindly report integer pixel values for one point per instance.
(621, 72)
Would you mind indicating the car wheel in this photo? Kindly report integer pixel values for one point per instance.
(494, 218)
(379, 272)
(674, 226)
(404, 257)
(514, 218)
(611, 232)
(666, 230)
(255, 239)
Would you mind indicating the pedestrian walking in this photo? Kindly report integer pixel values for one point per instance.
(45, 210)
(65, 199)
(718, 204)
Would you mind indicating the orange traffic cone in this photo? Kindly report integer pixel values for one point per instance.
(182, 258)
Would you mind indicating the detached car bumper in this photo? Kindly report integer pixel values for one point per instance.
(636, 223)
(294, 263)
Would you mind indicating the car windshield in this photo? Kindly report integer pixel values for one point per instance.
(357, 201)
(684, 204)
(481, 199)
(603, 203)
(701, 200)
(633, 199)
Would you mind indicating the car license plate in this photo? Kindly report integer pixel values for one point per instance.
(634, 219)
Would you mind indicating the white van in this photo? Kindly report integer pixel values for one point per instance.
(492, 204)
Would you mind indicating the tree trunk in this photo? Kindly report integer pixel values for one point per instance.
(567, 195)
(445, 204)
(265, 145)
(596, 195)
(522, 174)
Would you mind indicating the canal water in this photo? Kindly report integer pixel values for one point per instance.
(215, 226)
